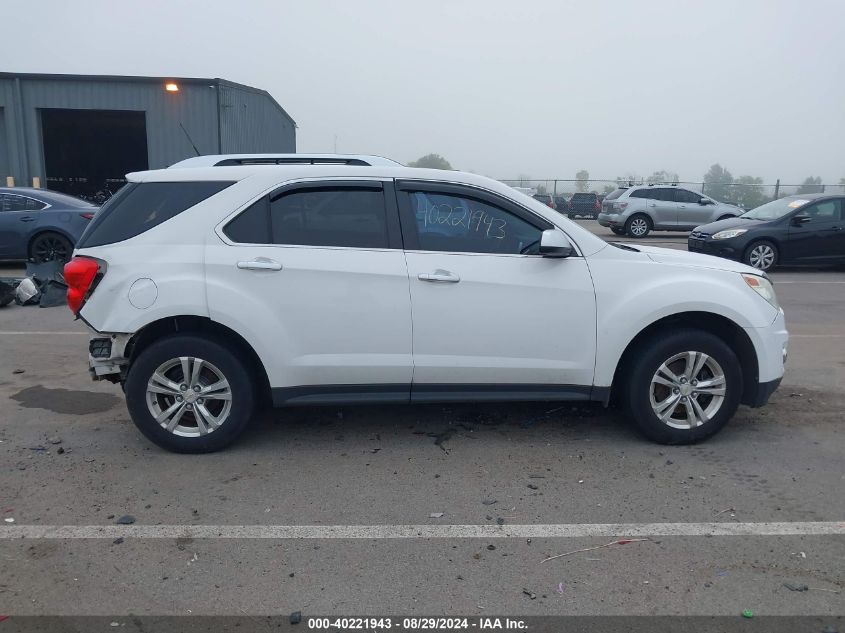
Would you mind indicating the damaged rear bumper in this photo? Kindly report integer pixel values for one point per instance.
(107, 356)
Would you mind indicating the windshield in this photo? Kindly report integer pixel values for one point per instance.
(775, 209)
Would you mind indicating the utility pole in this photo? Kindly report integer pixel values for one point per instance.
(777, 188)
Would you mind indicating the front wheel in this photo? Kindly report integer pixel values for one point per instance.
(683, 386)
(189, 394)
(617, 231)
(638, 226)
(762, 255)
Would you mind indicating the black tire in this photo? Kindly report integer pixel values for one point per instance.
(50, 246)
(762, 255)
(617, 231)
(634, 224)
(638, 390)
(571, 215)
(221, 360)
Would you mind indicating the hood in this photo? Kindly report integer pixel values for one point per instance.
(695, 260)
(729, 223)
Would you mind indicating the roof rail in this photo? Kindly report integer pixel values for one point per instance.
(229, 160)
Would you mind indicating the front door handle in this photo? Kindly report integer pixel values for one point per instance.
(260, 264)
(439, 275)
(27, 218)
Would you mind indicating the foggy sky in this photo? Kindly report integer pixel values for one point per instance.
(542, 88)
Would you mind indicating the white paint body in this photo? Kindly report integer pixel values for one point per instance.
(360, 316)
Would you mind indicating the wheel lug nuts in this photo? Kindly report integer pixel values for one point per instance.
(197, 388)
(178, 398)
(183, 387)
(189, 407)
(199, 400)
(676, 390)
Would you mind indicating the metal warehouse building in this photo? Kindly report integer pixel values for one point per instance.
(82, 133)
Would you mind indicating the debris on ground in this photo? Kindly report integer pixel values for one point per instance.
(18, 371)
(589, 549)
(717, 513)
(118, 540)
(794, 586)
(27, 293)
(533, 486)
(7, 293)
(560, 588)
(126, 519)
(296, 617)
(489, 502)
(54, 439)
(491, 547)
(530, 594)
(9, 520)
(748, 613)
(500, 521)
(436, 515)
(440, 438)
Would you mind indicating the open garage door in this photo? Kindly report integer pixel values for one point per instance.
(87, 153)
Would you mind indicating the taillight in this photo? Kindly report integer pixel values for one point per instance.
(87, 216)
(79, 275)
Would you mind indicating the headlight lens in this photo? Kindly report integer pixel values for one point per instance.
(726, 235)
(762, 287)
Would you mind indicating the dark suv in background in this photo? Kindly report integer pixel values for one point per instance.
(584, 205)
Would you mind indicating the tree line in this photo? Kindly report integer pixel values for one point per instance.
(745, 191)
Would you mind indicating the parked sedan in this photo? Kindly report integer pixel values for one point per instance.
(801, 229)
(39, 224)
(546, 199)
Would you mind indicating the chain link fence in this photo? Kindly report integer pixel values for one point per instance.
(743, 194)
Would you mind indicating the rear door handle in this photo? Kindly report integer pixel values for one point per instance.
(27, 218)
(652, 205)
(443, 276)
(260, 264)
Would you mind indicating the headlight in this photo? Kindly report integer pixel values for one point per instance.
(726, 235)
(762, 287)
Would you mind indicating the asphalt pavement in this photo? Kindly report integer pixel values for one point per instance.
(423, 509)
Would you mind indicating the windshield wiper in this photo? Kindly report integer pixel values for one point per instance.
(624, 246)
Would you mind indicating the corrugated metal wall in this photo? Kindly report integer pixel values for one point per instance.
(253, 123)
(251, 120)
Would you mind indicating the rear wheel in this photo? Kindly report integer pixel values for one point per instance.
(189, 394)
(683, 386)
(47, 247)
(762, 255)
(638, 226)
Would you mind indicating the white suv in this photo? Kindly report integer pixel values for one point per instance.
(211, 290)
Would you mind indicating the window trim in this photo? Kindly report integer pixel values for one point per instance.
(394, 234)
(46, 206)
(408, 220)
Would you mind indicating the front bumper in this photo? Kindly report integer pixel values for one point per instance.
(719, 248)
(771, 344)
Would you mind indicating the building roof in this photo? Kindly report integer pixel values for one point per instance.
(216, 81)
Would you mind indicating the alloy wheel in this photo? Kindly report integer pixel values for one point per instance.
(639, 227)
(687, 390)
(49, 248)
(189, 396)
(762, 256)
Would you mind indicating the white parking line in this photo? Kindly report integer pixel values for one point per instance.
(572, 530)
(24, 333)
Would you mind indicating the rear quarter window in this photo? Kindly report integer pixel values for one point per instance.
(615, 194)
(138, 207)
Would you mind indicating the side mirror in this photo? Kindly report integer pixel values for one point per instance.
(554, 243)
(704, 201)
(798, 220)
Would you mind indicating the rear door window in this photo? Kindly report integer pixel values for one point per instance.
(138, 207)
(354, 217)
(682, 195)
(642, 193)
(664, 194)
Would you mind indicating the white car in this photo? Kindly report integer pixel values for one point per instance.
(210, 290)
